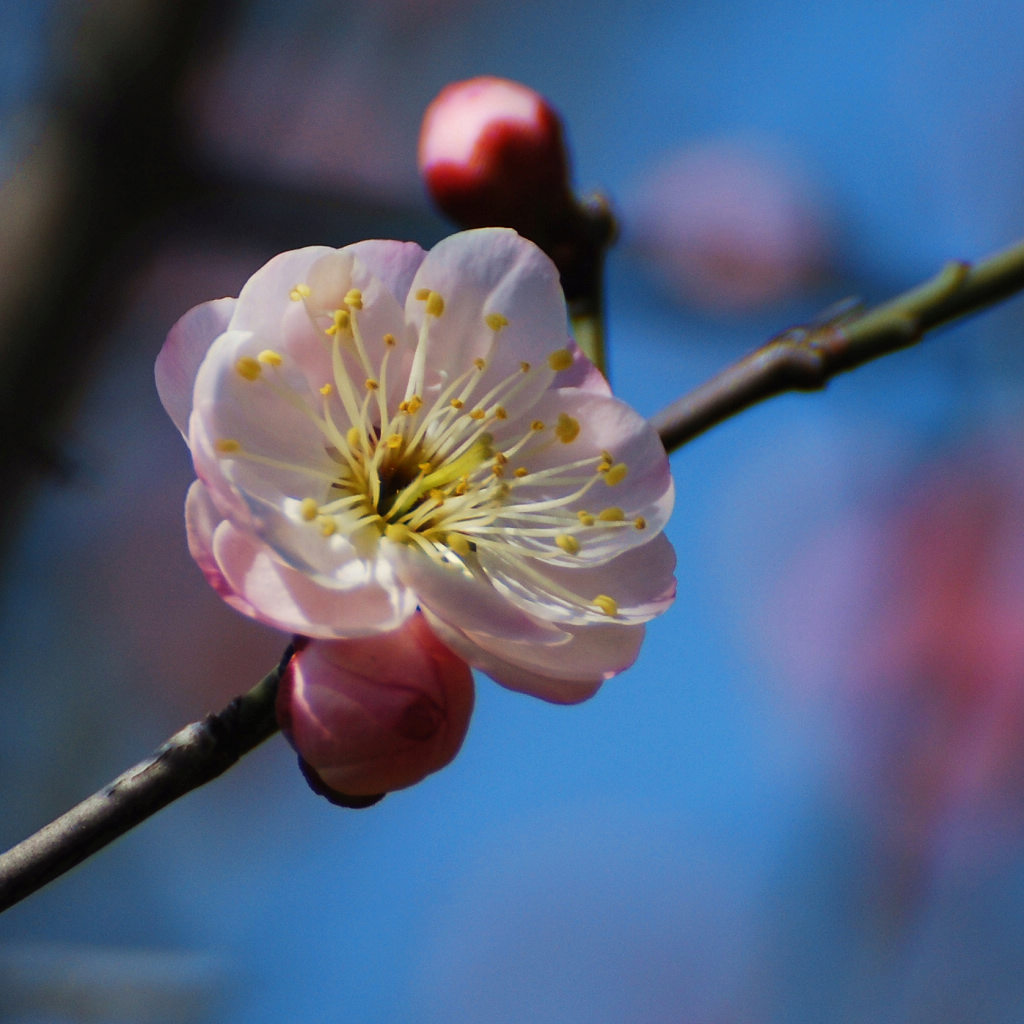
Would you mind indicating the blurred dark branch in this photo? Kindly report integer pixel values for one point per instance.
(189, 759)
(807, 358)
(105, 155)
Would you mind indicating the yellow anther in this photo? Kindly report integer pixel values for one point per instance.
(398, 532)
(413, 404)
(457, 403)
(500, 412)
(613, 514)
(462, 486)
(309, 509)
(568, 543)
(353, 435)
(560, 360)
(371, 384)
(354, 298)
(436, 494)
(459, 543)
(585, 518)
(640, 523)
(477, 414)
(480, 363)
(270, 357)
(342, 321)
(227, 446)
(299, 292)
(537, 425)
(567, 428)
(521, 471)
(501, 458)
(525, 366)
(248, 368)
(423, 294)
(616, 474)
(495, 321)
(606, 604)
(327, 389)
(327, 526)
(498, 470)
(603, 466)
(389, 340)
(435, 304)
(395, 441)
(607, 455)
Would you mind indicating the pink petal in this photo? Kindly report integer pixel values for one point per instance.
(201, 520)
(266, 295)
(185, 348)
(640, 580)
(610, 425)
(471, 601)
(565, 674)
(583, 374)
(394, 264)
(290, 600)
(493, 270)
(208, 466)
(260, 418)
(606, 425)
(376, 714)
(382, 312)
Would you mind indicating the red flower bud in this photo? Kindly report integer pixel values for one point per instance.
(377, 713)
(492, 154)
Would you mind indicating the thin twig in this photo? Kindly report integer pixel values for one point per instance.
(806, 358)
(190, 758)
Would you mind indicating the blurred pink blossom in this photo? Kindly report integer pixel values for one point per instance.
(378, 430)
(729, 227)
(950, 634)
(921, 624)
(329, 98)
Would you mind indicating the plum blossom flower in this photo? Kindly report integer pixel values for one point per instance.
(381, 433)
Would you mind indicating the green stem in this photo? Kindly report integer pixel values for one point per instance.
(588, 329)
(806, 358)
(579, 252)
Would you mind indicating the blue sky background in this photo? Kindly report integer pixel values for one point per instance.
(714, 837)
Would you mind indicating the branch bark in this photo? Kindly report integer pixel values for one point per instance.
(107, 158)
(806, 358)
(192, 757)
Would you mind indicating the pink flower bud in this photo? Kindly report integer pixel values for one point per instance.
(377, 713)
(492, 153)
